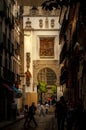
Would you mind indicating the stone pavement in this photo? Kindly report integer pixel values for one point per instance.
(6, 123)
(44, 123)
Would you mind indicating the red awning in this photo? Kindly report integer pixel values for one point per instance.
(7, 86)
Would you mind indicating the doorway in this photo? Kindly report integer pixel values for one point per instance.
(47, 76)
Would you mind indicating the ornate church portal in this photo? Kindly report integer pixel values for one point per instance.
(46, 71)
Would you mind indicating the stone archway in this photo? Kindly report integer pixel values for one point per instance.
(38, 65)
(47, 76)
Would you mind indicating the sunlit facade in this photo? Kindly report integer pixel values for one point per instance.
(41, 41)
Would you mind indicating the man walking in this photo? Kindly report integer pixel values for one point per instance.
(32, 111)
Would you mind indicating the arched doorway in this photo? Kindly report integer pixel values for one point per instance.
(48, 76)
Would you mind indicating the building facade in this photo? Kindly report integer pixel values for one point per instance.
(41, 49)
(73, 56)
(9, 57)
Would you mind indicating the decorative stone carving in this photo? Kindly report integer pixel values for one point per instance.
(28, 74)
(40, 23)
(52, 23)
(47, 47)
(46, 23)
(34, 10)
(28, 24)
(28, 59)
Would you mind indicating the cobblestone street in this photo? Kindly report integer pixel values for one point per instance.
(44, 123)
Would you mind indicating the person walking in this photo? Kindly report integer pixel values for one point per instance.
(46, 108)
(61, 113)
(42, 110)
(32, 111)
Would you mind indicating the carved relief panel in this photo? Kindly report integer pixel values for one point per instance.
(47, 47)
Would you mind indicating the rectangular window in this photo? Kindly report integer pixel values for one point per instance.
(47, 47)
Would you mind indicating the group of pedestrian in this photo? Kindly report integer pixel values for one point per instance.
(43, 109)
(29, 114)
(66, 112)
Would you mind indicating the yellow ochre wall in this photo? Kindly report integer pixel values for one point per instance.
(31, 97)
